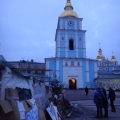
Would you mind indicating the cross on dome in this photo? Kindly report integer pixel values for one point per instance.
(68, 1)
(99, 45)
(112, 53)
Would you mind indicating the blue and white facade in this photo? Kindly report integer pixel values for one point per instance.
(69, 31)
(70, 63)
(108, 72)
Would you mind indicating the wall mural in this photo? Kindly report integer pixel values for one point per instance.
(114, 83)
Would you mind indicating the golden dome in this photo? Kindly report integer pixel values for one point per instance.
(100, 56)
(69, 11)
(113, 59)
(99, 59)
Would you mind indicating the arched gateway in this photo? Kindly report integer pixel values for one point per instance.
(72, 83)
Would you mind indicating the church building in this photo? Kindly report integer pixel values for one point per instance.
(108, 72)
(70, 65)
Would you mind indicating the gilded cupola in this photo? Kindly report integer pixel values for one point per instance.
(68, 10)
(113, 59)
(100, 55)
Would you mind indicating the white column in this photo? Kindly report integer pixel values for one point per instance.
(80, 25)
(61, 24)
(81, 72)
(47, 67)
(57, 65)
(75, 25)
(66, 44)
(87, 71)
(65, 24)
(58, 44)
(84, 46)
(57, 69)
(95, 70)
(76, 45)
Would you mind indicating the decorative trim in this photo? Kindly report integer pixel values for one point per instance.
(73, 76)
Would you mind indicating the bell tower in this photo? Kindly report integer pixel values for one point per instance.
(70, 38)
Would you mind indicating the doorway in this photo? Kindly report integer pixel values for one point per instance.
(72, 83)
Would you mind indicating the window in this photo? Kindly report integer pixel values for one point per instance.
(24, 94)
(62, 38)
(78, 64)
(66, 64)
(72, 63)
(71, 44)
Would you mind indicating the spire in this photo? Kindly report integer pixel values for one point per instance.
(68, 5)
(100, 50)
(99, 45)
(68, 1)
(112, 53)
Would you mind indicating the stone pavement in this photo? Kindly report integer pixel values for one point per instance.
(76, 95)
(85, 109)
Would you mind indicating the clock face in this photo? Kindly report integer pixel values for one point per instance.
(70, 23)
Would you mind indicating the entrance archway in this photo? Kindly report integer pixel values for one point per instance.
(72, 83)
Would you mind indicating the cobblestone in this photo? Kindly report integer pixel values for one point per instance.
(86, 109)
(89, 112)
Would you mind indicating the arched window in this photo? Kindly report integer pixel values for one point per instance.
(66, 64)
(72, 63)
(71, 44)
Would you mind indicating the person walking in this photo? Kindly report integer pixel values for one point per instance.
(105, 104)
(98, 100)
(111, 96)
(86, 90)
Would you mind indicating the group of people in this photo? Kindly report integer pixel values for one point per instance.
(101, 101)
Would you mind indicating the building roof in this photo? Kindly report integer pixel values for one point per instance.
(21, 73)
(113, 59)
(114, 72)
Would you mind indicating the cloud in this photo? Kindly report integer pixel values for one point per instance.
(30, 26)
(50, 43)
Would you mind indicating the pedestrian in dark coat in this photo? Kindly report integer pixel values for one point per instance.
(98, 100)
(105, 104)
(86, 90)
(111, 96)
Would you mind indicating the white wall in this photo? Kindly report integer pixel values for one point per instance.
(73, 72)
